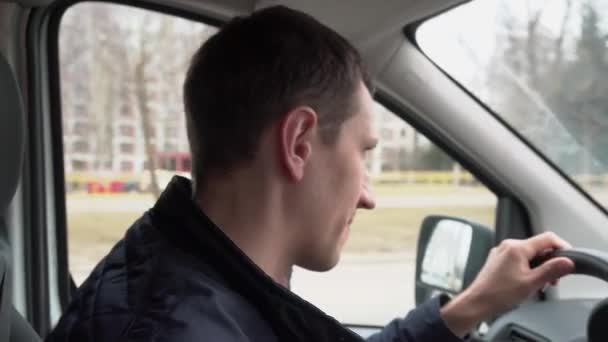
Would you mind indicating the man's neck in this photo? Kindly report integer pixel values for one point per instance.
(252, 224)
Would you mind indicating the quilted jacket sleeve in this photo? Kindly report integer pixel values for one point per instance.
(420, 325)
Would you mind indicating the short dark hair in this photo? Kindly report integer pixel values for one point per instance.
(256, 69)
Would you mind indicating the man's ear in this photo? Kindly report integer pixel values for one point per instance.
(297, 130)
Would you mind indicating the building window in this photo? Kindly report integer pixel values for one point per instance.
(125, 111)
(80, 110)
(127, 131)
(172, 132)
(126, 166)
(169, 164)
(81, 146)
(169, 147)
(80, 128)
(127, 148)
(80, 165)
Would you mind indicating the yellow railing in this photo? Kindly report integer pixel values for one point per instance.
(141, 181)
(82, 179)
(425, 177)
(116, 181)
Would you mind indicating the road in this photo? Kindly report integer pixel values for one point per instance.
(371, 289)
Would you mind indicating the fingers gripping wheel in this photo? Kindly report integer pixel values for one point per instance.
(586, 261)
(592, 263)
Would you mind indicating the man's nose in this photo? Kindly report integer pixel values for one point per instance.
(366, 198)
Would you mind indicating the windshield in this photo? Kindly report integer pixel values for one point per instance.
(540, 65)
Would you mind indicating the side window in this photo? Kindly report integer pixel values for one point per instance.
(411, 179)
(124, 136)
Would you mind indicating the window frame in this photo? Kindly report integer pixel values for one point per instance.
(43, 46)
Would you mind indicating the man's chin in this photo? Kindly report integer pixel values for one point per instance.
(321, 265)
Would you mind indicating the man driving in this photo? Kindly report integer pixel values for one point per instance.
(279, 119)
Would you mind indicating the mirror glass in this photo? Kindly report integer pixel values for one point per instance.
(446, 255)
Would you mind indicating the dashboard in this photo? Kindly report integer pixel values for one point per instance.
(552, 321)
(555, 321)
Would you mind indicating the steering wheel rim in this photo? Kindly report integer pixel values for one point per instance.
(586, 261)
(591, 263)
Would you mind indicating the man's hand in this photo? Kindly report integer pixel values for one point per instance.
(506, 280)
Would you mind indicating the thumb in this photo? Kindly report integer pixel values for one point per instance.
(552, 270)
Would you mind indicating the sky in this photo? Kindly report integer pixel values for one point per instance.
(462, 42)
(477, 24)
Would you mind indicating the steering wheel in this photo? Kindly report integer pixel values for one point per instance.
(592, 263)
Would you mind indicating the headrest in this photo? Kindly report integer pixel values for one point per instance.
(11, 134)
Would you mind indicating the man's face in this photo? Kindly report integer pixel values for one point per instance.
(338, 185)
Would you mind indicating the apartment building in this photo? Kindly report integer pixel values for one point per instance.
(117, 144)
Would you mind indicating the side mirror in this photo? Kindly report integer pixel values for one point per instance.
(451, 252)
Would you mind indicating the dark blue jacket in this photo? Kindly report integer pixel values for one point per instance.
(176, 277)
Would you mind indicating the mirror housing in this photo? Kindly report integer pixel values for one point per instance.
(451, 252)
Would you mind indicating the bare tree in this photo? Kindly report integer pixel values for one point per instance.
(552, 86)
(92, 66)
(121, 67)
(559, 41)
(141, 64)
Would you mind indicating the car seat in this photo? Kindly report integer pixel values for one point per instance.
(13, 327)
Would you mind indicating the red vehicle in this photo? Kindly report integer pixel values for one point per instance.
(174, 161)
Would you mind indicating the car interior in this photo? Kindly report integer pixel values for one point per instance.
(13, 327)
(533, 193)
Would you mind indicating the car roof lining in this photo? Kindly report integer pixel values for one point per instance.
(374, 27)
